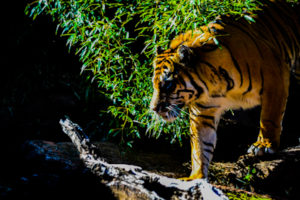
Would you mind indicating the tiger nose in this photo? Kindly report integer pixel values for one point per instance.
(154, 108)
(161, 107)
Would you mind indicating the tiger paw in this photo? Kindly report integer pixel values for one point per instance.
(186, 179)
(261, 148)
(192, 177)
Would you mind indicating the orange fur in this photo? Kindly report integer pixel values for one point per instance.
(250, 67)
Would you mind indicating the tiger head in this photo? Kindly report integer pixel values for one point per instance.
(173, 82)
(171, 90)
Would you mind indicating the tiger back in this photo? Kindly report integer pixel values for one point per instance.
(250, 66)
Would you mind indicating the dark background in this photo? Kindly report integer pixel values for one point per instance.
(40, 83)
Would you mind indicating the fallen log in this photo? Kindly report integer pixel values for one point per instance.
(132, 182)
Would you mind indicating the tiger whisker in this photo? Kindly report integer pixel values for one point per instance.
(173, 112)
(180, 109)
(196, 108)
(171, 108)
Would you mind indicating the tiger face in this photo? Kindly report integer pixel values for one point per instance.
(171, 93)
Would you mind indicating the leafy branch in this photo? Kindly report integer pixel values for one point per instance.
(116, 40)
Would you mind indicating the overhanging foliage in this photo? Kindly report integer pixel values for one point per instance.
(117, 40)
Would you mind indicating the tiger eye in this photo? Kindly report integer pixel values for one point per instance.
(169, 86)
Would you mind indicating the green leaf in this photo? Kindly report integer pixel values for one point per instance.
(117, 41)
(248, 18)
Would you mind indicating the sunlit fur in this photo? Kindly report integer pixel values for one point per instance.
(250, 66)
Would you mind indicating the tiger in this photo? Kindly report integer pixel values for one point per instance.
(226, 65)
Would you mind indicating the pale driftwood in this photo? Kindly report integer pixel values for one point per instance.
(132, 182)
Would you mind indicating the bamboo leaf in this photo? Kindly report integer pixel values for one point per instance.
(117, 41)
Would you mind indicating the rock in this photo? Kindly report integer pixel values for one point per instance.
(53, 156)
(51, 170)
(48, 168)
(276, 175)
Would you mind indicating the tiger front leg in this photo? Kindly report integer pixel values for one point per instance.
(268, 139)
(203, 141)
(272, 110)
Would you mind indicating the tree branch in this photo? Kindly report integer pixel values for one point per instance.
(129, 181)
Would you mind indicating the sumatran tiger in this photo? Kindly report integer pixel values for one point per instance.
(250, 65)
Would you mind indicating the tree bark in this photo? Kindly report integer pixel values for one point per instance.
(132, 182)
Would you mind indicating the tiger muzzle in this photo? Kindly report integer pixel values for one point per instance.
(161, 107)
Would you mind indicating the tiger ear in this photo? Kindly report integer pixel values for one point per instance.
(185, 55)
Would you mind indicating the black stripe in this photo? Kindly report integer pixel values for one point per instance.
(284, 33)
(250, 81)
(209, 125)
(196, 86)
(208, 144)
(282, 30)
(213, 69)
(158, 62)
(207, 117)
(265, 34)
(164, 55)
(295, 32)
(208, 151)
(268, 24)
(228, 79)
(262, 82)
(168, 61)
(217, 31)
(158, 68)
(206, 107)
(168, 74)
(206, 158)
(287, 18)
(218, 95)
(286, 55)
(236, 64)
(249, 35)
(181, 80)
(208, 48)
(199, 77)
(204, 116)
(174, 98)
(186, 91)
(281, 8)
